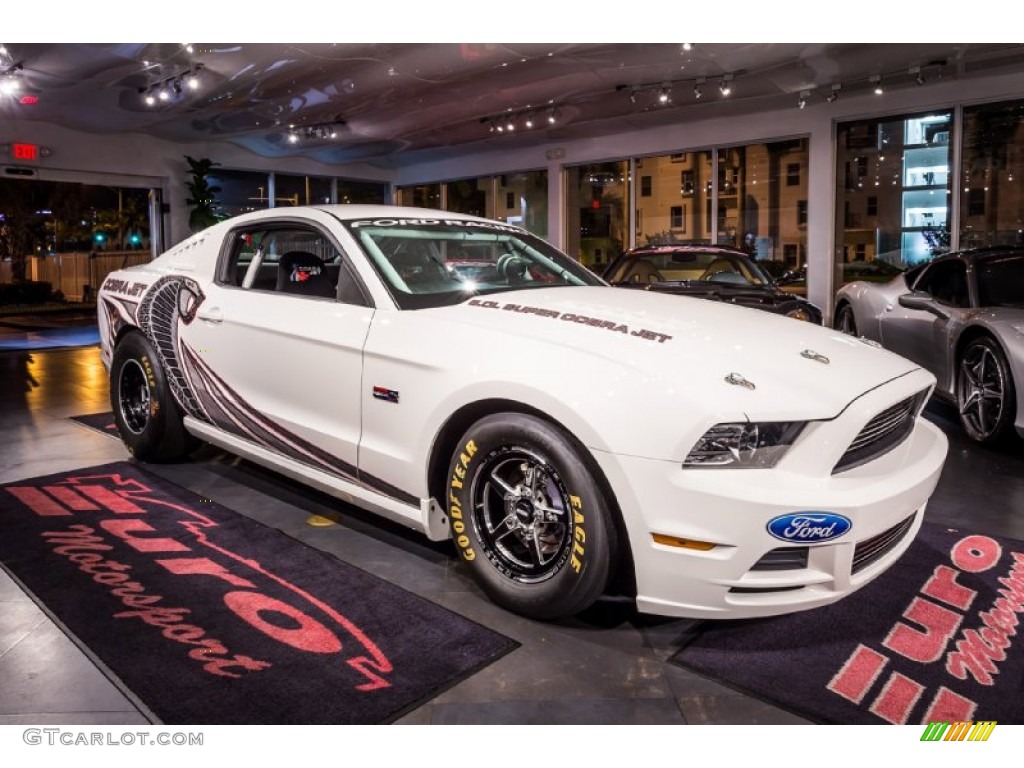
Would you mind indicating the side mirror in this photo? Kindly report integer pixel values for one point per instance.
(923, 302)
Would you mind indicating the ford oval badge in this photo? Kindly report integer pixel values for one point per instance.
(809, 527)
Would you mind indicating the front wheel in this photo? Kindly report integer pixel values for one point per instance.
(528, 517)
(985, 393)
(798, 311)
(845, 321)
(146, 414)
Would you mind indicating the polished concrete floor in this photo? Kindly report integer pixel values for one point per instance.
(608, 666)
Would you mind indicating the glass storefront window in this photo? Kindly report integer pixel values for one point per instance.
(992, 198)
(470, 196)
(522, 199)
(761, 204)
(421, 196)
(893, 193)
(301, 190)
(365, 192)
(240, 191)
(674, 198)
(597, 222)
(51, 217)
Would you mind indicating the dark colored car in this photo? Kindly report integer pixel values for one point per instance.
(707, 272)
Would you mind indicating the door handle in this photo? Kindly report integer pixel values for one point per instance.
(211, 315)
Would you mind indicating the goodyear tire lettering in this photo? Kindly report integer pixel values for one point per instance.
(454, 506)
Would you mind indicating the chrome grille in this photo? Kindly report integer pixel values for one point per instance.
(870, 550)
(883, 433)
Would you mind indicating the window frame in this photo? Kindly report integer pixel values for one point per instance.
(226, 261)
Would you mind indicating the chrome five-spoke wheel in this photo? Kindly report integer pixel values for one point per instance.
(985, 391)
(522, 513)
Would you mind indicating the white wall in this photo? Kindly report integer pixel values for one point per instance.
(132, 159)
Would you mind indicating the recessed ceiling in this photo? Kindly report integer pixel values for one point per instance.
(403, 103)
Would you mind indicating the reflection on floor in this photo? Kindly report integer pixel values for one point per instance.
(608, 666)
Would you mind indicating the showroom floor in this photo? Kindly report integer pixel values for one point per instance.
(610, 666)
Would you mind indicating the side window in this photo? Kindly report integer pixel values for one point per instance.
(946, 282)
(287, 259)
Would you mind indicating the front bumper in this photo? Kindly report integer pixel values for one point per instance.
(884, 499)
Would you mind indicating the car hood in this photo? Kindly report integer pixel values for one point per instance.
(680, 347)
(763, 295)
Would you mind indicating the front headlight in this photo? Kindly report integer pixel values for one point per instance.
(744, 445)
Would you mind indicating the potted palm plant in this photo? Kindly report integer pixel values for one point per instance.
(203, 194)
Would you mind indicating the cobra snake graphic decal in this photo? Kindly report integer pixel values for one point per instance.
(168, 301)
(173, 302)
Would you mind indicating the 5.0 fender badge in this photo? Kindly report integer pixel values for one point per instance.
(385, 394)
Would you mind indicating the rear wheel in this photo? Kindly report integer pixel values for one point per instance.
(985, 393)
(528, 518)
(845, 320)
(145, 411)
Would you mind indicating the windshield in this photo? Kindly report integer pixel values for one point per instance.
(659, 266)
(1001, 280)
(438, 262)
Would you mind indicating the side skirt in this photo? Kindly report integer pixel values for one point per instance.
(416, 518)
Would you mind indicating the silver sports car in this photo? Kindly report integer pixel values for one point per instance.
(961, 316)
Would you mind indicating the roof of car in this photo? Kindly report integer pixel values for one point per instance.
(987, 250)
(677, 247)
(360, 211)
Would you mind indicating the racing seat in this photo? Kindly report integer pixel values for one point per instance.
(643, 271)
(304, 274)
(717, 267)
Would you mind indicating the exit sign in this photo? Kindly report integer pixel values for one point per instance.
(19, 150)
(25, 151)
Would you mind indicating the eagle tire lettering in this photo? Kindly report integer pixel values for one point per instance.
(528, 518)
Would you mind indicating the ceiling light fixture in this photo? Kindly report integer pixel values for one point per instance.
(804, 95)
(318, 132)
(698, 91)
(173, 86)
(836, 87)
(529, 121)
(918, 75)
(665, 94)
(725, 85)
(552, 116)
(10, 83)
(876, 82)
(687, 46)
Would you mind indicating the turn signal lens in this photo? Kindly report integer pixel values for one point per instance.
(674, 541)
